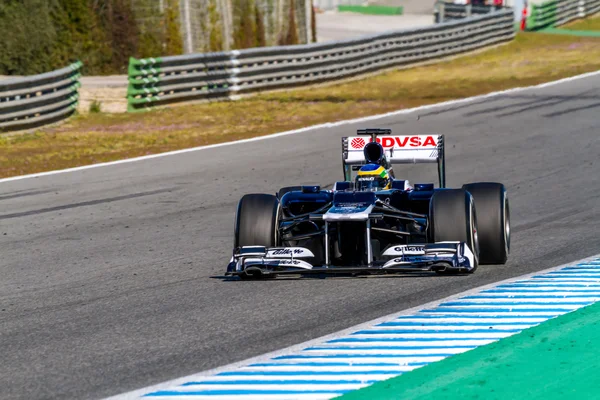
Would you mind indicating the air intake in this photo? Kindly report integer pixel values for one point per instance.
(373, 153)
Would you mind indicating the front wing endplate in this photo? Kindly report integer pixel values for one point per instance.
(442, 256)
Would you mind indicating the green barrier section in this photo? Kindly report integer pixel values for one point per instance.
(143, 66)
(542, 15)
(372, 10)
(76, 66)
(558, 359)
(143, 82)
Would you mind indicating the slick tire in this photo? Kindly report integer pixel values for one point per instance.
(452, 217)
(286, 189)
(256, 223)
(493, 221)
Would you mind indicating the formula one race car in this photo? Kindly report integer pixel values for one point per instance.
(372, 222)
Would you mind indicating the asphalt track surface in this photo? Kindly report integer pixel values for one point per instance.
(111, 277)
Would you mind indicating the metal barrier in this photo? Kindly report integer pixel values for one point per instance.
(444, 11)
(160, 81)
(591, 7)
(558, 12)
(38, 100)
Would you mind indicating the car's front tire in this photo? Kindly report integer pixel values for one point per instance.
(256, 223)
(452, 217)
(493, 221)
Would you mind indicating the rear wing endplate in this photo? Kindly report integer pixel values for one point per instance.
(397, 149)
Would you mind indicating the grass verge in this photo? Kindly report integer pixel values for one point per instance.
(588, 24)
(531, 59)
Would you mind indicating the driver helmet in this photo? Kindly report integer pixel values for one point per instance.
(372, 177)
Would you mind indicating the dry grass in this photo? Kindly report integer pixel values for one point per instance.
(588, 24)
(532, 58)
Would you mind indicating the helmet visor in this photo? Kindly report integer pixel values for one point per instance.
(370, 183)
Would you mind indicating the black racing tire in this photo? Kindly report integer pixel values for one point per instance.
(286, 189)
(493, 221)
(452, 217)
(256, 223)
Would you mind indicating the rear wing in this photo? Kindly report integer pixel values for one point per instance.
(397, 150)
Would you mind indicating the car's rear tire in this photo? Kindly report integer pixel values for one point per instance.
(256, 223)
(287, 189)
(493, 221)
(452, 217)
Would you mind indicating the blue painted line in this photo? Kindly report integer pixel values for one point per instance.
(577, 273)
(547, 284)
(308, 373)
(355, 347)
(473, 317)
(564, 280)
(165, 393)
(509, 292)
(508, 303)
(343, 356)
(582, 276)
(551, 281)
(374, 339)
(338, 364)
(567, 279)
(453, 323)
(279, 382)
(432, 332)
(429, 331)
(458, 311)
(550, 297)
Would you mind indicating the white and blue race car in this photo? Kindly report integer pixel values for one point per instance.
(372, 222)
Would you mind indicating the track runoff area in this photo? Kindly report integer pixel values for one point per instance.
(356, 358)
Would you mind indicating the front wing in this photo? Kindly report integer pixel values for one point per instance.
(442, 256)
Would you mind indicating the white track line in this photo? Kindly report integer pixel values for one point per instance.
(307, 129)
(362, 352)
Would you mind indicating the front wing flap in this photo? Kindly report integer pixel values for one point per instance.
(442, 256)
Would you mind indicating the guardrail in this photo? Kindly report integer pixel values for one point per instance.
(591, 7)
(160, 81)
(558, 12)
(444, 11)
(38, 100)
